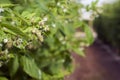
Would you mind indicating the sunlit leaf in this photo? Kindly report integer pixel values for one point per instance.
(14, 66)
(30, 67)
(89, 36)
(79, 52)
(6, 5)
(16, 30)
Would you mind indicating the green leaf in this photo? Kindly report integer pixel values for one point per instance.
(20, 17)
(89, 36)
(15, 30)
(79, 52)
(14, 66)
(30, 67)
(4, 2)
(6, 5)
(3, 78)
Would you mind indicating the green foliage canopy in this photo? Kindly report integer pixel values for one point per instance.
(37, 37)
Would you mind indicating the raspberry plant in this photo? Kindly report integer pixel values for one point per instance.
(37, 37)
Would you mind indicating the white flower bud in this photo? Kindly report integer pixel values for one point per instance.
(1, 45)
(65, 10)
(53, 25)
(6, 51)
(62, 7)
(34, 30)
(58, 4)
(13, 22)
(63, 42)
(46, 28)
(5, 40)
(61, 38)
(4, 28)
(81, 49)
(45, 19)
(1, 10)
(20, 40)
(41, 23)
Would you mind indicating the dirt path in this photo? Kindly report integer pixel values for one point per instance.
(100, 63)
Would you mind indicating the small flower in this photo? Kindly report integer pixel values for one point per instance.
(6, 51)
(4, 28)
(45, 19)
(13, 22)
(58, 4)
(62, 7)
(1, 45)
(46, 28)
(61, 38)
(41, 23)
(53, 25)
(63, 42)
(82, 44)
(66, 21)
(19, 46)
(65, 10)
(40, 38)
(1, 10)
(32, 20)
(20, 40)
(5, 40)
(81, 49)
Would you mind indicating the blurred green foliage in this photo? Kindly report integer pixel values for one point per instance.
(107, 25)
(37, 37)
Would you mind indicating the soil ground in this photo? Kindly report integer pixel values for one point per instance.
(100, 63)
